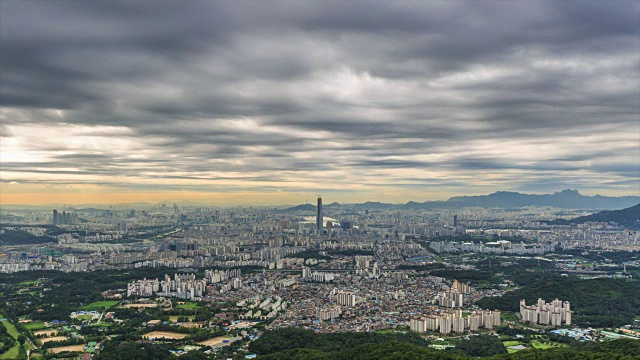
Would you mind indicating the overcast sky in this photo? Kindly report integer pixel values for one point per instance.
(273, 102)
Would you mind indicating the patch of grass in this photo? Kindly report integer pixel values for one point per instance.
(28, 283)
(189, 305)
(34, 326)
(101, 304)
(11, 329)
(511, 343)
(540, 345)
(12, 353)
(85, 317)
(102, 324)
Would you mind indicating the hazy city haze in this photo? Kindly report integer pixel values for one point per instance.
(272, 103)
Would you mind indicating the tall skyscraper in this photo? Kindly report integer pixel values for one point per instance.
(455, 220)
(319, 221)
(54, 221)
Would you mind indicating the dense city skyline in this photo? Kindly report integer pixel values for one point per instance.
(266, 104)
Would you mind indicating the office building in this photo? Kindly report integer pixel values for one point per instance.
(319, 220)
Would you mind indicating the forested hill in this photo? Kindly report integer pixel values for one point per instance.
(629, 217)
(299, 344)
(595, 302)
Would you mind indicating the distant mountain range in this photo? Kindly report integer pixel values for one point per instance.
(629, 217)
(565, 199)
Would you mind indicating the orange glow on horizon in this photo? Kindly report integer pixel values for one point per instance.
(42, 198)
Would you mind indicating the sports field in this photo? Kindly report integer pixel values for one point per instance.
(140, 305)
(164, 334)
(34, 326)
(216, 340)
(101, 305)
(74, 348)
(55, 338)
(189, 305)
(48, 332)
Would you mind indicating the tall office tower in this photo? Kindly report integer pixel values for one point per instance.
(319, 222)
(455, 220)
(54, 221)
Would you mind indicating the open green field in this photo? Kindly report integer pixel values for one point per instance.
(11, 353)
(102, 324)
(101, 304)
(11, 330)
(28, 283)
(34, 326)
(539, 345)
(27, 291)
(512, 343)
(508, 317)
(85, 317)
(189, 305)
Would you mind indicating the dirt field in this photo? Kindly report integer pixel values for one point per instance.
(215, 341)
(55, 338)
(241, 325)
(164, 334)
(45, 332)
(78, 348)
(140, 305)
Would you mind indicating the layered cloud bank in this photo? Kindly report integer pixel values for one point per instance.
(273, 102)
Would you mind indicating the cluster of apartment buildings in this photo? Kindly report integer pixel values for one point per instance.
(454, 298)
(497, 247)
(454, 321)
(143, 288)
(328, 313)
(346, 298)
(554, 313)
(182, 286)
(366, 266)
(307, 274)
(216, 276)
(185, 286)
(271, 306)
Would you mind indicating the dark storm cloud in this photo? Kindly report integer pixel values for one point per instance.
(492, 93)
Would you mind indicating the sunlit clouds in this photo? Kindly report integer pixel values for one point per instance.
(243, 103)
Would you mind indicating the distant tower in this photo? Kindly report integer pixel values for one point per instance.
(455, 221)
(54, 221)
(319, 222)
